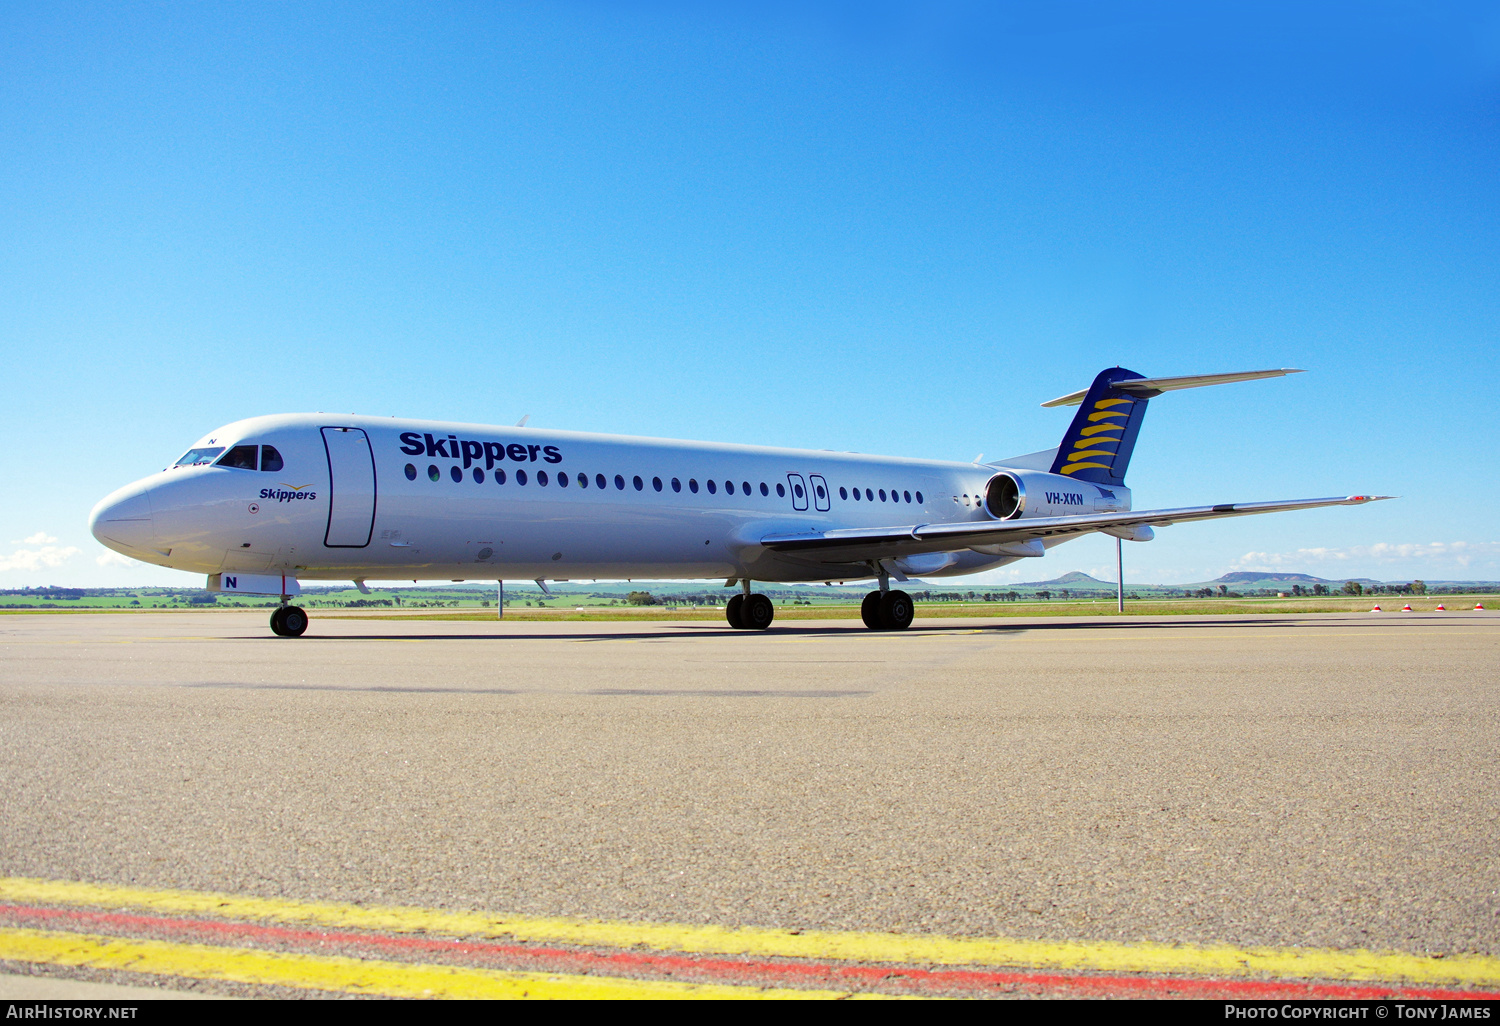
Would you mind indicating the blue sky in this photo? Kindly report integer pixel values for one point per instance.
(880, 227)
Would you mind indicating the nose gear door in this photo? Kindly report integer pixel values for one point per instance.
(351, 492)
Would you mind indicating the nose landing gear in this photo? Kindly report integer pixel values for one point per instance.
(288, 622)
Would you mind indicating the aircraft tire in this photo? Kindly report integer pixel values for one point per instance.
(276, 617)
(869, 611)
(734, 612)
(757, 613)
(896, 611)
(293, 622)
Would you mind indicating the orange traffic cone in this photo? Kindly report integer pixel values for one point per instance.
(1406, 609)
(1375, 610)
(1442, 608)
(1479, 605)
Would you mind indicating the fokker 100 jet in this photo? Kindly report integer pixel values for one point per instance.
(260, 504)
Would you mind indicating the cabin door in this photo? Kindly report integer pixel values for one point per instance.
(351, 498)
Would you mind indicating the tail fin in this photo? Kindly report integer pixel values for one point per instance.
(1098, 444)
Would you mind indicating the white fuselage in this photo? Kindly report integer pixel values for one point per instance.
(440, 501)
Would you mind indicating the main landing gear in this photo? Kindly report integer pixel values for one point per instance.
(747, 612)
(886, 610)
(289, 622)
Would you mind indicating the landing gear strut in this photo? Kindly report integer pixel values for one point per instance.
(288, 621)
(747, 612)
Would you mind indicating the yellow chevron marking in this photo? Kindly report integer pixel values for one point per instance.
(1088, 455)
(892, 948)
(1080, 466)
(354, 975)
(1094, 429)
(1104, 404)
(1108, 413)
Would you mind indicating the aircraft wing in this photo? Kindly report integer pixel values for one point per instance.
(856, 545)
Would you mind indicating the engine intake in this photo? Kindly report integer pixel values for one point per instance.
(1005, 497)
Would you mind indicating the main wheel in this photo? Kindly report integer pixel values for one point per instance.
(277, 615)
(757, 613)
(293, 621)
(869, 610)
(734, 612)
(896, 611)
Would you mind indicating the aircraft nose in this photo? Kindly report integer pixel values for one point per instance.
(123, 518)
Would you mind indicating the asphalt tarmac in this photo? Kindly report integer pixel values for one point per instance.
(1324, 781)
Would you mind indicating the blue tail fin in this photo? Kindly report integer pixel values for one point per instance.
(1098, 444)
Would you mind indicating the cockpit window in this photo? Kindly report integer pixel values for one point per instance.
(198, 457)
(270, 459)
(241, 457)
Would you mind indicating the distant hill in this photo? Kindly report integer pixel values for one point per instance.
(1072, 579)
(1240, 576)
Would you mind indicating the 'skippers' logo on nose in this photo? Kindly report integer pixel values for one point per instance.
(288, 492)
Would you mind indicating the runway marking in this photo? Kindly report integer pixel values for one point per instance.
(862, 947)
(354, 975)
(900, 981)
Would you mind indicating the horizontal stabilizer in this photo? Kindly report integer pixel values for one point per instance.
(1145, 388)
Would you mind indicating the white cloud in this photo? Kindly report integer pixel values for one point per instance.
(36, 559)
(115, 559)
(1461, 554)
(40, 538)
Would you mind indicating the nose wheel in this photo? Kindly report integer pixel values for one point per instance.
(891, 611)
(289, 622)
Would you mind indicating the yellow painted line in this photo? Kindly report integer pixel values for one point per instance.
(352, 975)
(904, 949)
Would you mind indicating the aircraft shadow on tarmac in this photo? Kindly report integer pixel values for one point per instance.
(855, 628)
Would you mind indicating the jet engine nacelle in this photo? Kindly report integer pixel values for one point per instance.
(1025, 494)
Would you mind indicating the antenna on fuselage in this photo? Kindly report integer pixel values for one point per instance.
(523, 420)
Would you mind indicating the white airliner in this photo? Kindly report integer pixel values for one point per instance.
(260, 504)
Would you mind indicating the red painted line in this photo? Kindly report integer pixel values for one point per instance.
(946, 980)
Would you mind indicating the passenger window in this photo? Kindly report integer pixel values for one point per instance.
(432, 473)
(821, 494)
(745, 485)
(780, 490)
(639, 484)
(797, 490)
(763, 489)
(693, 485)
(728, 487)
(456, 474)
(599, 481)
(656, 483)
(411, 472)
(478, 476)
(906, 496)
(843, 493)
(499, 476)
(270, 459)
(619, 483)
(241, 457)
(856, 495)
(712, 488)
(521, 477)
(583, 480)
(198, 457)
(869, 495)
(882, 495)
(676, 485)
(919, 496)
(562, 480)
